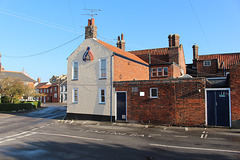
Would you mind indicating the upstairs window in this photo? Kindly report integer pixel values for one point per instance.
(154, 72)
(153, 93)
(159, 71)
(206, 63)
(103, 68)
(75, 70)
(165, 71)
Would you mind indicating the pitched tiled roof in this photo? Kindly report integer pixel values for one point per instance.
(229, 59)
(41, 84)
(158, 55)
(44, 86)
(121, 52)
(14, 74)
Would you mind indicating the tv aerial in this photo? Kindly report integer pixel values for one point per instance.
(92, 12)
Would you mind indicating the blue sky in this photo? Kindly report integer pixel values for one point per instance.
(30, 27)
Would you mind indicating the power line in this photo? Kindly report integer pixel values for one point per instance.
(200, 26)
(49, 50)
(39, 22)
(71, 14)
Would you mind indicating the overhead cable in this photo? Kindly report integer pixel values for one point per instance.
(49, 50)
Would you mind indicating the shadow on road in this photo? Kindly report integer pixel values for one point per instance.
(48, 112)
(94, 151)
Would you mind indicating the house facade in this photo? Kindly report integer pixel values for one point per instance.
(92, 68)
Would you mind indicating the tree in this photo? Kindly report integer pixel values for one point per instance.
(11, 88)
(14, 88)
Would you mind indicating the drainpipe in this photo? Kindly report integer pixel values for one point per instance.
(111, 83)
(149, 58)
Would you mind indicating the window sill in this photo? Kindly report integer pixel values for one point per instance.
(102, 103)
(74, 79)
(153, 97)
(75, 102)
(102, 78)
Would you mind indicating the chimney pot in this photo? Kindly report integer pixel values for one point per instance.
(170, 40)
(122, 36)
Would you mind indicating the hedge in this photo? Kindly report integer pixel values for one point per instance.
(16, 107)
(37, 104)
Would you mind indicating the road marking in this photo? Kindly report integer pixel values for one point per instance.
(155, 135)
(204, 134)
(69, 136)
(180, 136)
(34, 129)
(15, 135)
(194, 148)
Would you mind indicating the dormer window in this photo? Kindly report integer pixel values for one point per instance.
(206, 63)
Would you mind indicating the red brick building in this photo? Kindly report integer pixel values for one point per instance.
(213, 65)
(50, 92)
(167, 102)
(167, 62)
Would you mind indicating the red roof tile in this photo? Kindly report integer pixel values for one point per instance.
(158, 55)
(121, 52)
(229, 59)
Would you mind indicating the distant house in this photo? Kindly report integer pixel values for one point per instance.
(166, 62)
(20, 75)
(215, 67)
(63, 92)
(50, 92)
(58, 79)
(212, 65)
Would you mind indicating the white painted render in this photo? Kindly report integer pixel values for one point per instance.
(88, 82)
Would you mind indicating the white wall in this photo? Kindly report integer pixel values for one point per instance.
(88, 82)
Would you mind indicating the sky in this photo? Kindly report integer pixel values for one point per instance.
(38, 36)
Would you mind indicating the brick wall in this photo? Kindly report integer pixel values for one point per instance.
(126, 70)
(207, 71)
(235, 90)
(179, 102)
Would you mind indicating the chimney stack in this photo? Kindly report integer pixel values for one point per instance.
(195, 52)
(39, 80)
(91, 29)
(121, 43)
(175, 40)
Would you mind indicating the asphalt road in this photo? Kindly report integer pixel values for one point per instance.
(43, 134)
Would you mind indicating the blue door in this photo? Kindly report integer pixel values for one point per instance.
(218, 113)
(121, 106)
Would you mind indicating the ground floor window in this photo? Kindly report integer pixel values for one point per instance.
(75, 95)
(102, 95)
(153, 93)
